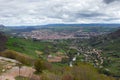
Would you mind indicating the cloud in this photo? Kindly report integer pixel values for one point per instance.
(37, 12)
(109, 1)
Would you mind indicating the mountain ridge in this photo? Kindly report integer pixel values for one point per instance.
(67, 25)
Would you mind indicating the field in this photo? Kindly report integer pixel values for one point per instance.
(27, 46)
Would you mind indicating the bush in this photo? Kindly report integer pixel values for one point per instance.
(104, 71)
(39, 66)
(50, 76)
(67, 77)
(17, 56)
(84, 71)
(65, 60)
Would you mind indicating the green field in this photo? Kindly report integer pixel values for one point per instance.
(29, 46)
(26, 46)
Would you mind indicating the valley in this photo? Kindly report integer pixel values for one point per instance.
(59, 39)
(56, 51)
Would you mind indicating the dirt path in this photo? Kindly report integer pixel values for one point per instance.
(12, 73)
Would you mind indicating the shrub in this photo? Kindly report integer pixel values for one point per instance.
(39, 66)
(17, 56)
(50, 76)
(67, 77)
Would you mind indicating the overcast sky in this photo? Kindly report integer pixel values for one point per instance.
(37, 12)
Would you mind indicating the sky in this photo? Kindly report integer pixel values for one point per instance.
(39, 12)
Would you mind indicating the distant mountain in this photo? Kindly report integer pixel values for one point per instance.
(93, 27)
(25, 29)
(2, 26)
(69, 25)
(82, 25)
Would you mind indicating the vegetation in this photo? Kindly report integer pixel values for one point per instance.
(17, 56)
(110, 45)
(33, 52)
(21, 78)
(3, 40)
(1, 67)
(39, 66)
(30, 47)
(82, 71)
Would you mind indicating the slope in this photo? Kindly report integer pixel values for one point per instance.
(110, 45)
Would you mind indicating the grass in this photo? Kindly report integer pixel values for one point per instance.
(24, 59)
(31, 47)
(110, 50)
(28, 47)
(21, 78)
(1, 67)
(114, 57)
(82, 71)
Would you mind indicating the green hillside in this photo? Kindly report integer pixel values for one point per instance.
(20, 48)
(3, 41)
(26, 46)
(110, 45)
(32, 47)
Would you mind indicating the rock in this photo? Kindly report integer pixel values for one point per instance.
(9, 67)
(74, 59)
(71, 65)
(49, 56)
(3, 70)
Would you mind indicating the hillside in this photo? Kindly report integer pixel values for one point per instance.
(32, 47)
(29, 51)
(109, 41)
(115, 34)
(3, 40)
(110, 45)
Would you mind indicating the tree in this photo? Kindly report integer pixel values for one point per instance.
(39, 65)
(71, 53)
